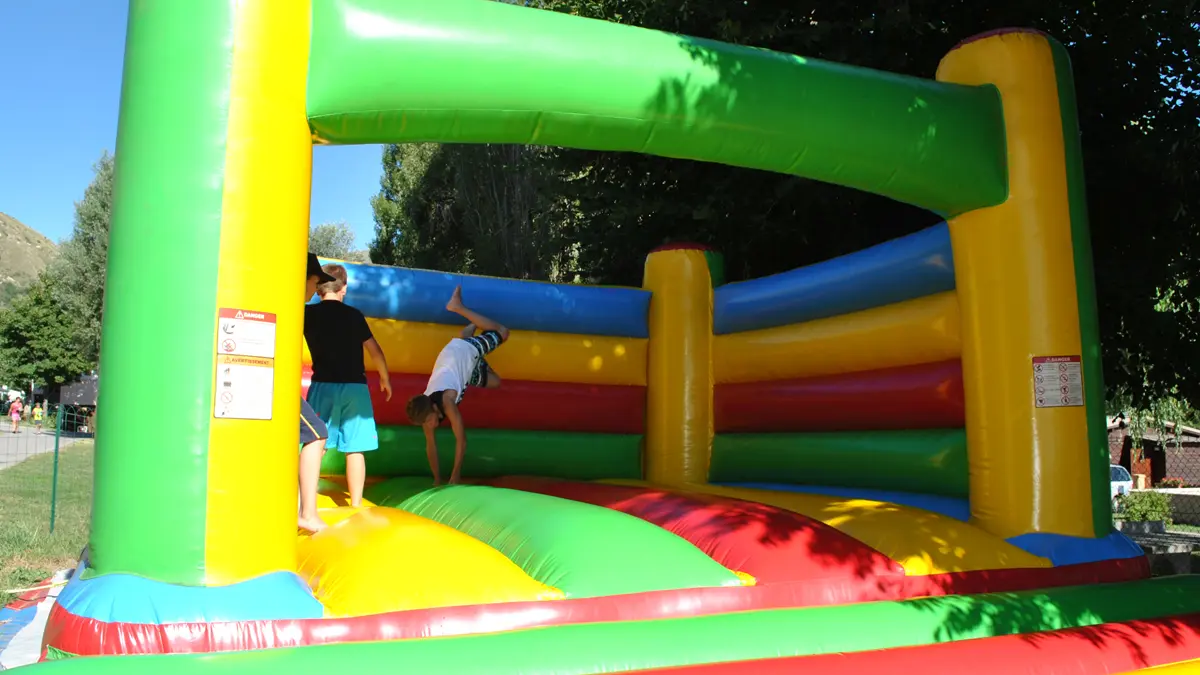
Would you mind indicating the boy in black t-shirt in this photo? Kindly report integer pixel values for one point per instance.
(313, 431)
(336, 334)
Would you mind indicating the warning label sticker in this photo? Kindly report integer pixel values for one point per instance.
(1057, 381)
(245, 377)
(246, 333)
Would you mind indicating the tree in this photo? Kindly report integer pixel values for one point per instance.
(487, 209)
(81, 267)
(334, 240)
(37, 339)
(417, 220)
(1136, 82)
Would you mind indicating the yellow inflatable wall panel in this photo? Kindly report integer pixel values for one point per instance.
(1014, 268)
(264, 220)
(385, 560)
(412, 347)
(922, 330)
(679, 391)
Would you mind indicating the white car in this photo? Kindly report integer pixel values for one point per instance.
(1120, 483)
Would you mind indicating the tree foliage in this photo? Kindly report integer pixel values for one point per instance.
(486, 209)
(334, 240)
(37, 339)
(1136, 79)
(81, 267)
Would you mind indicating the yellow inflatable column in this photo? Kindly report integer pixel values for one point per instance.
(1016, 271)
(252, 461)
(679, 384)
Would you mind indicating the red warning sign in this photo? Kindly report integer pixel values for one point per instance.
(1058, 381)
(245, 376)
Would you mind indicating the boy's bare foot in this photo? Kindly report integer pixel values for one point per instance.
(313, 525)
(455, 480)
(456, 302)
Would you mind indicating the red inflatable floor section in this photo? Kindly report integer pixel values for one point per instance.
(772, 544)
(802, 559)
(523, 405)
(78, 635)
(1106, 648)
(924, 396)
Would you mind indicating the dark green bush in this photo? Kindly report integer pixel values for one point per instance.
(1146, 505)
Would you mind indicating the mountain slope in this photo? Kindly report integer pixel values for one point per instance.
(24, 253)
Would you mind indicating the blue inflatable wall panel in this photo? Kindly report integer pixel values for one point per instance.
(910, 267)
(420, 295)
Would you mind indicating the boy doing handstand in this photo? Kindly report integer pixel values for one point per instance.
(460, 364)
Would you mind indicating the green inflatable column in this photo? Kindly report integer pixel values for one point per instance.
(148, 515)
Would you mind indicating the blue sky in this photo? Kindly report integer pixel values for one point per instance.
(60, 74)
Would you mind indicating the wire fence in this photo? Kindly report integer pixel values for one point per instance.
(1157, 482)
(32, 439)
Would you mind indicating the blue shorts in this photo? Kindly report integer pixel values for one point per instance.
(346, 410)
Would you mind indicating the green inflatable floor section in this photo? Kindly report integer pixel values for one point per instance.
(585, 649)
(584, 550)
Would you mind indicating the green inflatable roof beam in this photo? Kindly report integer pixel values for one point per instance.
(500, 452)
(162, 275)
(472, 71)
(931, 461)
(586, 551)
(592, 648)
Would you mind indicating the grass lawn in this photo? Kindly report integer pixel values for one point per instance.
(28, 552)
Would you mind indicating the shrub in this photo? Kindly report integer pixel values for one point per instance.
(1146, 505)
(1171, 483)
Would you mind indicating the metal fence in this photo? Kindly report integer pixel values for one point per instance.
(1156, 478)
(31, 445)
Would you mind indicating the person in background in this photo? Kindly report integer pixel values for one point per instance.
(337, 334)
(14, 414)
(38, 416)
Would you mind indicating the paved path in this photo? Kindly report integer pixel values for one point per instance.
(16, 448)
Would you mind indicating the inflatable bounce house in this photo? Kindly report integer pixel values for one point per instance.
(894, 461)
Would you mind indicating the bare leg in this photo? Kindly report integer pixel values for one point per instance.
(310, 475)
(456, 473)
(356, 476)
(493, 381)
(456, 305)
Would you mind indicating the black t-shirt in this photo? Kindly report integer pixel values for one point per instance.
(335, 333)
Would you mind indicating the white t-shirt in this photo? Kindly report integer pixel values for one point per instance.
(453, 368)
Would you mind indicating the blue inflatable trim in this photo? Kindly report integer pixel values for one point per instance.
(1066, 550)
(952, 507)
(913, 266)
(12, 622)
(125, 598)
(419, 295)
